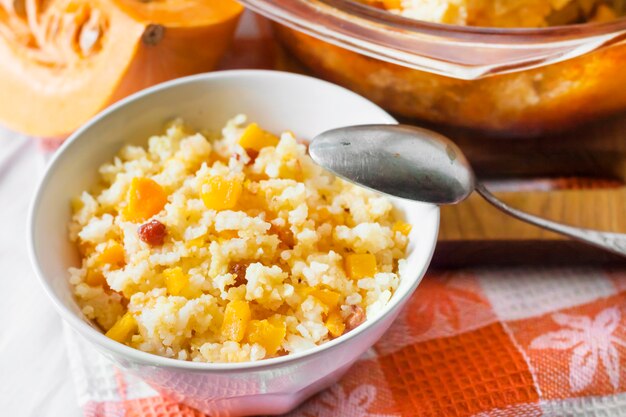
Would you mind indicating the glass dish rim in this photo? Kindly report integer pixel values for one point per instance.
(380, 16)
(460, 52)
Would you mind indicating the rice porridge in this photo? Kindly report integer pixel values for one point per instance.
(230, 247)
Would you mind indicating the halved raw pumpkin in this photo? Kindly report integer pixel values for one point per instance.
(61, 61)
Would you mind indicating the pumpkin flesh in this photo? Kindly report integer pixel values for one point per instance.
(181, 13)
(65, 60)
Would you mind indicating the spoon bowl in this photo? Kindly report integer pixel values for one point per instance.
(403, 161)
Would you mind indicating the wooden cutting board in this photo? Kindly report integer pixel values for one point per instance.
(575, 177)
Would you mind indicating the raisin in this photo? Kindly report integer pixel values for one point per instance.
(284, 234)
(252, 154)
(124, 301)
(239, 270)
(356, 318)
(153, 232)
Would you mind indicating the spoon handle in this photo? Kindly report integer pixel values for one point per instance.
(613, 242)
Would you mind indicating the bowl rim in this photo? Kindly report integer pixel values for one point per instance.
(101, 341)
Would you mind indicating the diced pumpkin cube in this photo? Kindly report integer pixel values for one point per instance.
(145, 199)
(175, 280)
(253, 137)
(129, 290)
(228, 234)
(77, 204)
(191, 293)
(325, 215)
(278, 320)
(113, 255)
(236, 319)
(303, 291)
(95, 278)
(360, 265)
(268, 334)
(195, 243)
(402, 227)
(291, 171)
(329, 297)
(251, 200)
(219, 193)
(334, 323)
(392, 4)
(177, 283)
(260, 312)
(123, 329)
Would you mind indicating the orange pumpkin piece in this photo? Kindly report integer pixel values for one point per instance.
(255, 138)
(177, 283)
(219, 193)
(325, 215)
(330, 298)
(113, 255)
(68, 59)
(95, 278)
(303, 291)
(392, 4)
(402, 227)
(236, 319)
(145, 199)
(228, 235)
(334, 324)
(123, 329)
(360, 265)
(385, 4)
(268, 334)
(195, 243)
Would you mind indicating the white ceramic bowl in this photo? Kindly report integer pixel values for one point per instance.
(278, 101)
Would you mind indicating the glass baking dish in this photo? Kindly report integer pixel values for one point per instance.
(508, 82)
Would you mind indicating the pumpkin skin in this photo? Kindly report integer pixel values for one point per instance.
(62, 61)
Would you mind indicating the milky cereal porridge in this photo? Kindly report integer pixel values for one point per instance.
(230, 247)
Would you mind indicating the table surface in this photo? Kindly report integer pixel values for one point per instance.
(36, 378)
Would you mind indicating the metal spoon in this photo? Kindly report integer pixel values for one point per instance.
(418, 164)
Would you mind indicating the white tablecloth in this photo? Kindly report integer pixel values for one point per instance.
(35, 377)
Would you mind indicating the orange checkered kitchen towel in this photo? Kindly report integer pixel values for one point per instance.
(498, 342)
